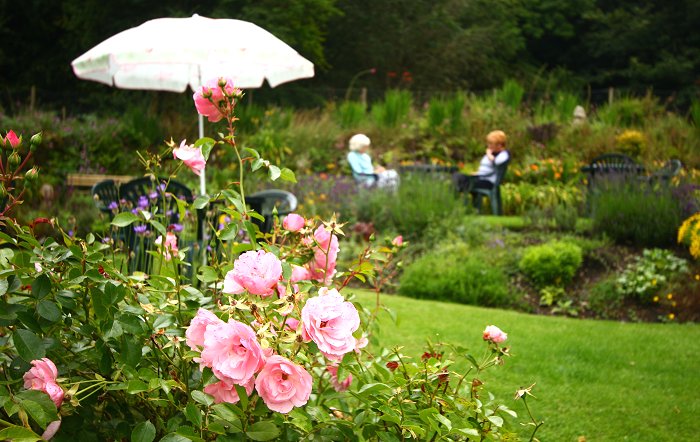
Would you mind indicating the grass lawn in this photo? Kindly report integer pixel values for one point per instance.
(603, 380)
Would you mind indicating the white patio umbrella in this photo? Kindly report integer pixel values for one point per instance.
(169, 54)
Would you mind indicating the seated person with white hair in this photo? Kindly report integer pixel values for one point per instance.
(361, 164)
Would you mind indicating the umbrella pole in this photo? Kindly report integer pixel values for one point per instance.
(202, 179)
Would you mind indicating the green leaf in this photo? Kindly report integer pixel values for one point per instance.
(201, 202)
(174, 437)
(41, 286)
(256, 164)
(228, 412)
(159, 227)
(445, 421)
(136, 386)
(124, 219)
(207, 144)
(163, 321)
(143, 432)
(28, 345)
(274, 172)
(4, 285)
(100, 303)
(288, 175)
(48, 310)
(496, 420)
(467, 431)
(207, 274)
(252, 152)
(263, 430)
(193, 415)
(374, 389)
(242, 395)
(39, 406)
(202, 398)
(19, 434)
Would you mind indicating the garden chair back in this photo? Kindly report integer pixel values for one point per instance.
(267, 201)
(104, 193)
(610, 169)
(493, 193)
(158, 197)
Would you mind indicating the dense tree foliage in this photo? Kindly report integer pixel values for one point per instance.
(425, 45)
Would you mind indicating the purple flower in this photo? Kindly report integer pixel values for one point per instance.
(113, 205)
(161, 187)
(140, 230)
(153, 195)
(135, 211)
(143, 202)
(106, 240)
(176, 227)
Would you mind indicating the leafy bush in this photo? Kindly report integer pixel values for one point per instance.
(604, 298)
(394, 110)
(455, 274)
(520, 198)
(551, 264)
(636, 213)
(350, 114)
(649, 273)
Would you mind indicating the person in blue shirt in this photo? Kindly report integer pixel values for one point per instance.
(485, 176)
(364, 172)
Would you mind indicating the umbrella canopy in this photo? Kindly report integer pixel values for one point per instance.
(169, 54)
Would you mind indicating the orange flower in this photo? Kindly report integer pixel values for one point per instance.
(534, 167)
(557, 176)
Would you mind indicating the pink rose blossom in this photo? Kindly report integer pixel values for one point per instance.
(191, 156)
(300, 273)
(494, 334)
(198, 326)
(293, 222)
(170, 245)
(339, 386)
(42, 377)
(322, 267)
(398, 241)
(292, 324)
(225, 392)
(258, 272)
(330, 321)
(283, 385)
(232, 351)
(12, 138)
(210, 99)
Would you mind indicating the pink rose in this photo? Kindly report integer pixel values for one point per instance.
(292, 324)
(322, 267)
(398, 241)
(12, 138)
(300, 273)
(232, 351)
(170, 245)
(330, 321)
(339, 386)
(191, 156)
(195, 332)
(283, 385)
(211, 99)
(225, 392)
(258, 272)
(494, 334)
(293, 222)
(42, 377)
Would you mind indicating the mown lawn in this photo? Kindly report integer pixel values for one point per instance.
(603, 380)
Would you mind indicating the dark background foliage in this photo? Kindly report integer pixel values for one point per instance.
(429, 46)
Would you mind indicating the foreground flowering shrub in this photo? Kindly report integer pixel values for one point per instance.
(260, 342)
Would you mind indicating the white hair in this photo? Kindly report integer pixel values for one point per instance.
(358, 141)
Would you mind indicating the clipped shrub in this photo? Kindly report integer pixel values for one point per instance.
(635, 213)
(455, 274)
(551, 264)
(630, 142)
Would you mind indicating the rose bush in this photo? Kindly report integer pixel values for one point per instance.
(258, 343)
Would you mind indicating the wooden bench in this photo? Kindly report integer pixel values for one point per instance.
(87, 180)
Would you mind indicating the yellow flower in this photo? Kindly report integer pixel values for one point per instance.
(697, 277)
(653, 281)
(673, 303)
(656, 299)
(671, 316)
(669, 296)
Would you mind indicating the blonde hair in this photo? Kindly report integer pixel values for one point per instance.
(358, 141)
(497, 137)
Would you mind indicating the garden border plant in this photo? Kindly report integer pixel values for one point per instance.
(265, 347)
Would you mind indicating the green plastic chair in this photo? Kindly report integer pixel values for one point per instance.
(494, 193)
